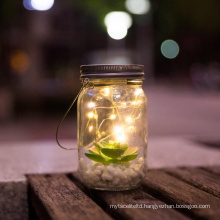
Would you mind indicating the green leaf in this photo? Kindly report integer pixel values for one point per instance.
(113, 160)
(129, 157)
(98, 145)
(113, 153)
(130, 150)
(96, 157)
(124, 146)
(106, 144)
(111, 142)
(94, 150)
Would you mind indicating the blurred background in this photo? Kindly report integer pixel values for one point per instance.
(44, 42)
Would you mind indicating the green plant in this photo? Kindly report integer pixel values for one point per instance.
(112, 152)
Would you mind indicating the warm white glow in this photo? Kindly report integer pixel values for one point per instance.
(121, 138)
(90, 114)
(119, 134)
(112, 117)
(118, 129)
(42, 5)
(123, 104)
(138, 6)
(117, 32)
(170, 49)
(128, 119)
(91, 104)
(90, 128)
(118, 18)
(105, 91)
(138, 91)
(134, 103)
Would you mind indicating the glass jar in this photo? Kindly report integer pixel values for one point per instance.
(112, 127)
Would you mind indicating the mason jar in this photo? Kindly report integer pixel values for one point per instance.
(112, 127)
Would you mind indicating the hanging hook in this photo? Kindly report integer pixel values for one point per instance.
(85, 82)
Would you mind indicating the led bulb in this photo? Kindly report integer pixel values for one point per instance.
(121, 138)
(118, 129)
(90, 114)
(90, 128)
(134, 103)
(138, 91)
(112, 117)
(91, 104)
(128, 119)
(105, 91)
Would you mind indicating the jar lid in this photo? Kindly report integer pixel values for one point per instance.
(103, 71)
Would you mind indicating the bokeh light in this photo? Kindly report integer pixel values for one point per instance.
(118, 18)
(117, 23)
(117, 32)
(19, 62)
(42, 5)
(27, 5)
(138, 7)
(170, 49)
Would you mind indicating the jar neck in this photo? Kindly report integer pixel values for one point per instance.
(106, 82)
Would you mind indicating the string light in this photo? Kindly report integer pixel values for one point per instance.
(117, 129)
(124, 128)
(90, 114)
(138, 91)
(91, 104)
(105, 91)
(123, 104)
(128, 119)
(112, 117)
(119, 134)
(134, 103)
(121, 138)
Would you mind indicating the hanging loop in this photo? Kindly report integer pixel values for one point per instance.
(85, 82)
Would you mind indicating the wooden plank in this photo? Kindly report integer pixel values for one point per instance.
(202, 179)
(56, 197)
(175, 191)
(212, 169)
(113, 202)
(13, 200)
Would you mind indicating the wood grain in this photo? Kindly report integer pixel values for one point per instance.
(213, 169)
(56, 197)
(199, 178)
(132, 197)
(174, 191)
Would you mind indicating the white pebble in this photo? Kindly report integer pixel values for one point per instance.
(123, 176)
(115, 181)
(140, 160)
(97, 175)
(125, 172)
(97, 172)
(106, 177)
(101, 168)
(133, 165)
(110, 169)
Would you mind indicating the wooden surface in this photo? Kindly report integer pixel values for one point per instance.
(60, 196)
(56, 197)
(199, 178)
(20, 158)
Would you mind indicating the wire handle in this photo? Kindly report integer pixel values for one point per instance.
(85, 82)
